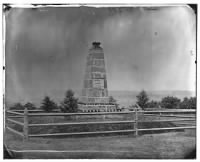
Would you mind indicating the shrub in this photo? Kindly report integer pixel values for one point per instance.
(170, 102)
(112, 100)
(48, 104)
(142, 99)
(188, 103)
(153, 104)
(17, 106)
(70, 103)
(192, 102)
(29, 106)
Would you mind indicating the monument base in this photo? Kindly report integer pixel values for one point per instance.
(97, 107)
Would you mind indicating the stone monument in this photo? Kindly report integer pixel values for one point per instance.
(94, 97)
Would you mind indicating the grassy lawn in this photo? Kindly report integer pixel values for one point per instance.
(173, 145)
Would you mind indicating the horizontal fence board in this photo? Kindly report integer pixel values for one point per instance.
(169, 128)
(191, 123)
(16, 122)
(71, 114)
(56, 113)
(105, 113)
(35, 110)
(70, 151)
(15, 131)
(170, 111)
(186, 124)
(9, 116)
(108, 122)
(16, 113)
(172, 120)
(83, 123)
(81, 133)
(178, 116)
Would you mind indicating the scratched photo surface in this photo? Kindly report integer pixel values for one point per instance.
(150, 49)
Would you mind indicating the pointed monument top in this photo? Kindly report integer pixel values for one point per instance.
(96, 44)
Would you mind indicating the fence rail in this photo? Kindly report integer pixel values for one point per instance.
(168, 120)
(13, 112)
(83, 123)
(16, 122)
(15, 131)
(81, 133)
(177, 116)
(26, 125)
(77, 114)
(169, 128)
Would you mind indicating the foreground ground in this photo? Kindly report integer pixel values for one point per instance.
(172, 145)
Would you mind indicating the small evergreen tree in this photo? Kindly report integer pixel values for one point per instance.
(29, 106)
(142, 99)
(112, 100)
(70, 103)
(48, 104)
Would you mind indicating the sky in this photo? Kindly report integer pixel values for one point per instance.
(145, 48)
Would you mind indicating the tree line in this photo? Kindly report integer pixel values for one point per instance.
(68, 105)
(169, 102)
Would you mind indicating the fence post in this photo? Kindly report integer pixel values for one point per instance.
(25, 129)
(136, 122)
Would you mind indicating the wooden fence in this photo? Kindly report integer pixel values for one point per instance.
(12, 115)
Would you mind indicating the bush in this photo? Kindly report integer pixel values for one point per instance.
(29, 106)
(153, 104)
(70, 103)
(48, 104)
(142, 99)
(188, 103)
(170, 102)
(112, 100)
(17, 106)
(192, 102)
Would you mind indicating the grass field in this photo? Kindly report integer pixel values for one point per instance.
(174, 145)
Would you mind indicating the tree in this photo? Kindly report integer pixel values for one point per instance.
(188, 103)
(112, 100)
(70, 103)
(170, 102)
(142, 99)
(185, 104)
(29, 106)
(192, 102)
(17, 106)
(153, 104)
(48, 104)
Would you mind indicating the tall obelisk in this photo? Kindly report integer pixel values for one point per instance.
(95, 93)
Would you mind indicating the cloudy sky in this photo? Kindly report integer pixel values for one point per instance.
(46, 48)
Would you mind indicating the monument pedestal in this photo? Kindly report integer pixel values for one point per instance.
(97, 108)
